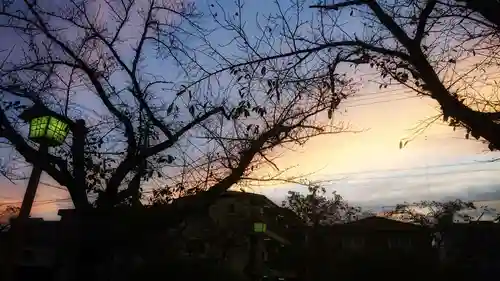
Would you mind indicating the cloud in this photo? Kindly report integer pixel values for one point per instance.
(467, 180)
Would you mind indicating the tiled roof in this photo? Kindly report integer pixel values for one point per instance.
(375, 223)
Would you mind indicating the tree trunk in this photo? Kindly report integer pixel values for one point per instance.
(479, 123)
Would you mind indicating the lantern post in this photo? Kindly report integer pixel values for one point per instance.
(255, 263)
(47, 129)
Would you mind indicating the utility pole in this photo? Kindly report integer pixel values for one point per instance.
(47, 129)
(252, 257)
(255, 266)
(256, 261)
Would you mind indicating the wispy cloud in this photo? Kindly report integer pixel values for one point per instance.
(452, 180)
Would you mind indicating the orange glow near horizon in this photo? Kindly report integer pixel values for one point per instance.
(383, 119)
(375, 148)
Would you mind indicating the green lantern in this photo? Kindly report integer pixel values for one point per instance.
(46, 127)
(259, 227)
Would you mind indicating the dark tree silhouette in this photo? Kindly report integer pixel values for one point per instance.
(317, 208)
(418, 44)
(7, 213)
(431, 213)
(196, 125)
(403, 44)
(438, 215)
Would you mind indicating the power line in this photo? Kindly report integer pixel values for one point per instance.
(380, 94)
(485, 162)
(369, 97)
(383, 101)
(53, 186)
(430, 174)
(67, 200)
(38, 202)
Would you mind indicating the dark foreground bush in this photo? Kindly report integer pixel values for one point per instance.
(182, 270)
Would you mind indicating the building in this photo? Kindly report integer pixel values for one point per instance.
(114, 246)
(472, 246)
(374, 245)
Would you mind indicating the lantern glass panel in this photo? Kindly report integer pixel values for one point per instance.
(259, 227)
(38, 127)
(48, 130)
(57, 130)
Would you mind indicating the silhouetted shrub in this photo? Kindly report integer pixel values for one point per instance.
(182, 270)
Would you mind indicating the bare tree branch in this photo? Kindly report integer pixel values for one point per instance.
(422, 21)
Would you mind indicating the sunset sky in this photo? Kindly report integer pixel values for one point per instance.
(367, 167)
(370, 168)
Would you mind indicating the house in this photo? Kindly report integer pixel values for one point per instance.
(38, 255)
(373, 245)
(115, 246)
(472, 246)
(234, 215)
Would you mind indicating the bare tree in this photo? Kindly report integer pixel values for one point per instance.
(431, 213)
(404, 44)
(418, 44)
(316, 208)
(201, 124)
(438, 215)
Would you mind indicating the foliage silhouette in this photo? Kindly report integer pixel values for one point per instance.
(204, 131)
(317, 208)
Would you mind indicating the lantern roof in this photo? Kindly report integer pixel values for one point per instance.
(34, 112)
(39, 111)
